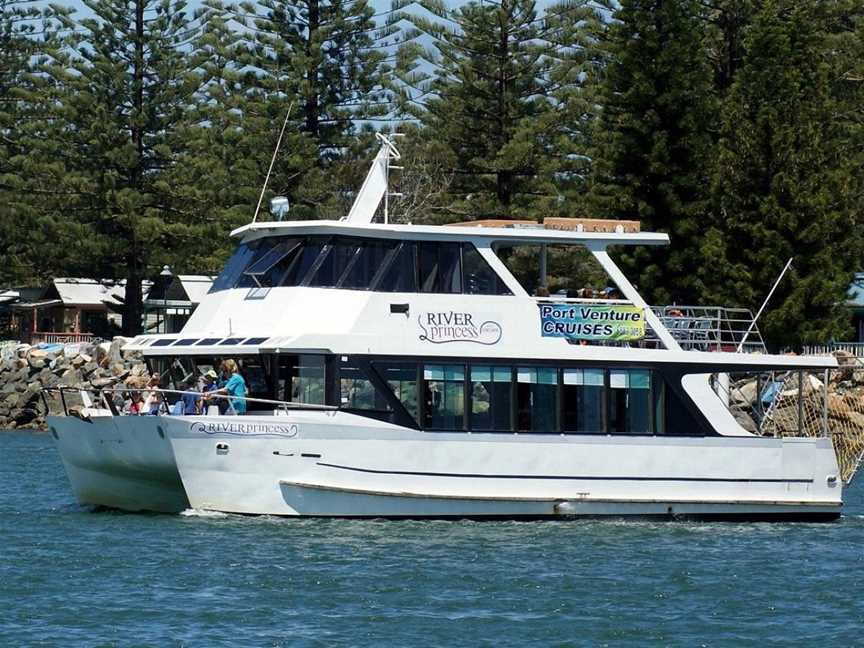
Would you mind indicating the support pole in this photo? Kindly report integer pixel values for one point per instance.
(800, 401)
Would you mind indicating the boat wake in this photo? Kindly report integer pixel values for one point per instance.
(202, 513)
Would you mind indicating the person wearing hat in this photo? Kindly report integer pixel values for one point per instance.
(209, 385)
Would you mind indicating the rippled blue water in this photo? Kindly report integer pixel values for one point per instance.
(69, 576)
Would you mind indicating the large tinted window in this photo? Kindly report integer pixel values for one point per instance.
(444, 397)
(338, 254)
(582, 400)
(477, 277)
(491, 397)
(629, 401)
(400, 275)
(366, 262)
(440, 267)
(536, 389)
(401, 378)
(301, 379)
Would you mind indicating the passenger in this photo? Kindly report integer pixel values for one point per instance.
(133, 404)
(541, 291)
(154, 397)
(190, 398)
(208, 385)
(235, 388)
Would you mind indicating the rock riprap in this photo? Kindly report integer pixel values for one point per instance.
(25, 370)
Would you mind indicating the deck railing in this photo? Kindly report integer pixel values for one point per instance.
(50, 337)
(854, 348)
(103, 398)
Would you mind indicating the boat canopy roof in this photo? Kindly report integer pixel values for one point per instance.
(482, 235)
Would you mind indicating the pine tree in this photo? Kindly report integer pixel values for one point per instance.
(27, 33)
(505, 96)
(654, 144)
(331, 60)
(122, 92)
(787, 182)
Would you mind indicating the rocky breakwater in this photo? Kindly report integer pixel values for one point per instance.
(26, 370)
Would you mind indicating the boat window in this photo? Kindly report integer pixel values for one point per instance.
(490, 398)
(401, 273)
(582, 400)
(571, 270)
(186, 342)
(163, 342)
(440, 267)
(301, 262)
(258, 379)
(271, 266)
(231, 341)
(254, 341)
(444, 396)
(478, 277)
(401, 378)
(629, 401)
(357, 392)
(260, 249)
(366, 262)
(536, 389)
(207, 342)
(338, 254)
(235, 266)
(300, 379)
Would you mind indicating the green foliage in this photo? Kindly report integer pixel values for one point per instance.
(653, 141)
(141, 134)
(505, 94)
(26, 34)
(121, 93)
(787, 183)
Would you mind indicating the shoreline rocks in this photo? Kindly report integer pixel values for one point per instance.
(25, 370)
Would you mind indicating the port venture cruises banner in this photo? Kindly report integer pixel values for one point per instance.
(618, 323)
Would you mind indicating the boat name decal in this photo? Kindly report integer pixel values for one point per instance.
(246, 429)
(442, 327)
(614, 322)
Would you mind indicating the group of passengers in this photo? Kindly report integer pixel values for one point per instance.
(225, 390)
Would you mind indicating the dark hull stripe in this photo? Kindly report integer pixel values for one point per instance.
(568, 477)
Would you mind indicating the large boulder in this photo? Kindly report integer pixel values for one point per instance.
(88, 368)
(115, 352)
(71, 377)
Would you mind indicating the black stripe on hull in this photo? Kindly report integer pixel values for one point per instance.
(567, 477)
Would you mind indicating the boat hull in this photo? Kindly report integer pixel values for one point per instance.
(345, 466)
(120, 462)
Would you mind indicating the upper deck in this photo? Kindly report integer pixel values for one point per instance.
(520, 233)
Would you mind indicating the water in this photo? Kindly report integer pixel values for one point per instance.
(69, 576)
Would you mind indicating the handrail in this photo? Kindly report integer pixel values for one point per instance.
(286, 405)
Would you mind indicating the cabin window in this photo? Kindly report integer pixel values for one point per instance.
(401, 378)
(400, 275)
(301, 379)
(440, 267)
(302, 262)
(536, 397)
(338, 255)
(444, 396)
(243, 256)
(357, 392)
(629, 401)
(477, 276)
(491, 397)
(582, 400)
(366, 262)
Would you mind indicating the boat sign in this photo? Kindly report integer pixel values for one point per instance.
(592, 322)
(236, 428)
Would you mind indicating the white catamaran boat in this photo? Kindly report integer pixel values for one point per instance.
(405, 371)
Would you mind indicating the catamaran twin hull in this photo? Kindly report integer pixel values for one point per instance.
(404, 371)
(337, 464)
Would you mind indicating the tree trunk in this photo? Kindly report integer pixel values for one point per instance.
(311, 107)
(133, 313)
